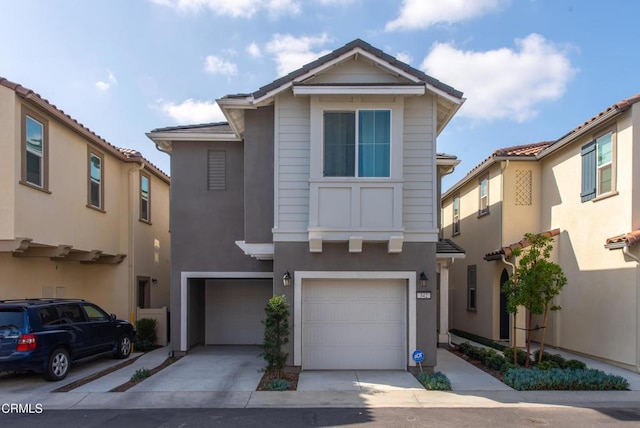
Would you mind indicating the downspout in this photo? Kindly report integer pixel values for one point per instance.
(132, 290)
(513, 317)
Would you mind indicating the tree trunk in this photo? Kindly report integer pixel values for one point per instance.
(544, 331)
(528, 339)
(515, 355)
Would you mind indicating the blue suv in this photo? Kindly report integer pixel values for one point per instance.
(48, 335)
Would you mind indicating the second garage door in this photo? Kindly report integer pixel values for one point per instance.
(354, 324)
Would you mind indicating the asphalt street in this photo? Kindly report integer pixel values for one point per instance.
(329, 417)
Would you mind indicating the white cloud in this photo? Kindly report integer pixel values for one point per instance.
(291, 53)
(337, 2)
(235, 8)
(192, 111)
(415, 14)
(503, 83)
(404, 57)
(111, 81)
(216, 65)
(254, 50)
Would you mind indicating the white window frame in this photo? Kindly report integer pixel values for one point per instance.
(455, 225)
(40, 155)
(99, 182)
(356, 113)
(600, 168)
(483, 199)
(146, 199)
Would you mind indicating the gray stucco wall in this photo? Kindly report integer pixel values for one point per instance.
(206, 223)
(417, 257)
(258, 185)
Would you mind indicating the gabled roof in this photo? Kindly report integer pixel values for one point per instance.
(520, 152)
(201, 127)
(449, 99)
(523, 243)
(606, 114)
(126, 155)
(357, 43)
(624, 240)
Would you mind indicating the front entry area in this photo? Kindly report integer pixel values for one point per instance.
(354, 324)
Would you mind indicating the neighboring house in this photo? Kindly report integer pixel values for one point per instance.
(585, 192)
(323, 186)
(79, 218)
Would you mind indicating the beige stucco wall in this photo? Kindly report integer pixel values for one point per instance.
(599, 313)
(7, 163)
(477, 236)
(62, 217)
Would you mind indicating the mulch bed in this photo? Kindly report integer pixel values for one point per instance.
(290, 374)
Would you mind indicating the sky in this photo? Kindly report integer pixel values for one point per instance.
(530, 70)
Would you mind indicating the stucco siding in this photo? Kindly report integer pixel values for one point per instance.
(9, 161)
(292, 162)
(418, 165)
(599, 313)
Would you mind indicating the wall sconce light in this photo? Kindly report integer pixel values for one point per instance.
(286, 279)
(154, 280)
(423, 279)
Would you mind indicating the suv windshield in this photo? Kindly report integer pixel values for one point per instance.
(11, 319)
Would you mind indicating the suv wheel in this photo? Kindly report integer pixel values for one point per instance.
(58, 366)
(124, 347)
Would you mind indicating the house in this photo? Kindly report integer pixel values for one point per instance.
(585, 192)
(79, 217)
(323, 186)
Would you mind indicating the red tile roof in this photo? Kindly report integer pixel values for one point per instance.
(522, 150)
(126, 154)
(624, 240)
(523, 243)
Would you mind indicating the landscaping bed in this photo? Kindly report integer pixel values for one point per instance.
(288, 381)
(552, 373)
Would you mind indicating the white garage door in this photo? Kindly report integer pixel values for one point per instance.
(234, 310)
(354, 324)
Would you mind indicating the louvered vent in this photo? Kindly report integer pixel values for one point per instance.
(217, 170)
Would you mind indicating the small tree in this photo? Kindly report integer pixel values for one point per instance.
(276, 334)
(537, 283)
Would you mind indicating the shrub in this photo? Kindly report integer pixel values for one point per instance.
(575, 365)
(508, 366)
(146, 334)
(521, 356)
(478, 339)
(276, 334)
(547, 365)
(496, 362)
(278, 385)
(140, 374)
(567, 379)
(557, 359)
(465, 348)
(437, 381)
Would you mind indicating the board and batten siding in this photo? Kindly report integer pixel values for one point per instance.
(292, 163)
(418, 203)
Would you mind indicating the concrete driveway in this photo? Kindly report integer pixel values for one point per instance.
(210, 368)
(359, 380)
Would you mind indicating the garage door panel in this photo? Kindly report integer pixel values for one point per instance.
(348, 321)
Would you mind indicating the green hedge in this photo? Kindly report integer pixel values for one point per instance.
(565, 380)
(478, 339)
(437, 381)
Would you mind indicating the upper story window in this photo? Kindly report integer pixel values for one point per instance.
(598, 167)
(471, 287)
(456, 216)
(34, 150)
(484, 196)
(145, 198)
(357, 143)
(96, 189)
